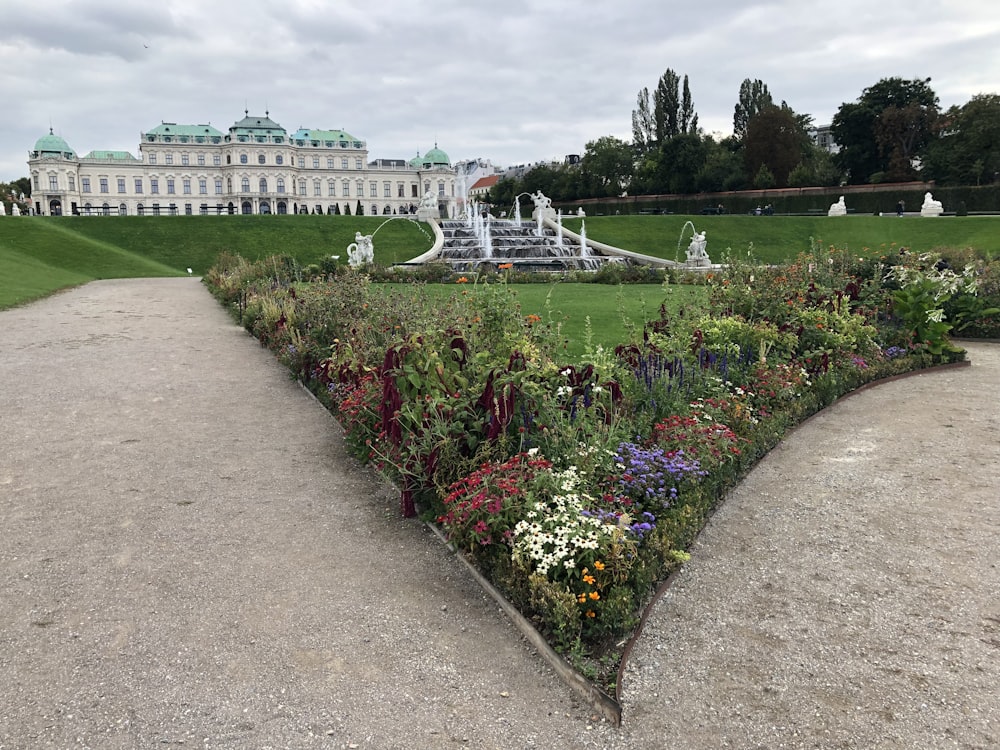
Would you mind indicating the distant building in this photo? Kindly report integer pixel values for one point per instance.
(480, 190)
(257, 167)
(823, 137)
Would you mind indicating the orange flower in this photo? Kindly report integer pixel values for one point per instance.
(594, 595)
(589, 579)
(582, 598)
(505, 265)
(532, 319)
(599, 565)
(591, 613)
(462, 280)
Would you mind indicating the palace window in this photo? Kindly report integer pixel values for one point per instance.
(121, 184)
(217, 160)
(263, 184)
(152, 158)
(187, 186)
(53, 182)
(185, 159)
(345, 188)
(170, 186)
(373, 189)
(138, 185)
(202, 186)
(317, 187)
(261, 159)
(72, 182)
(329, 162)
(243, 158)
(84, 184)
(168, 158)
(201, 162)
(302, 187)
(245, 185)
(315, 162)
(331, 187)
(281, 184)
(343, 163)
(218, 186)
(104, 184)
(386, 189)
(357, 163)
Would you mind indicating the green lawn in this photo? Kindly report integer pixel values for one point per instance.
(613, 312)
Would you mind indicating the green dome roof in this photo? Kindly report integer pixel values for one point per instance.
(437, 156)
(52, 144)
(433, 158)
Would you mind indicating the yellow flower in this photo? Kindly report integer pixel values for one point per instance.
(582, 598)
(589, 579)
(591, 613)
(462, 280)
(599, 565)
(594, 595)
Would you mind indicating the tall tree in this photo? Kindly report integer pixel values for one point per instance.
(671, 114)
(643, 129)
(666, 106)
(754, 97)
(868, 144)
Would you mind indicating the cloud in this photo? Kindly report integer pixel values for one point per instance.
(514, 82)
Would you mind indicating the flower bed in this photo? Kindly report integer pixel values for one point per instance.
(576, 487)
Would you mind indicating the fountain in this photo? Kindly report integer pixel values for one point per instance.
(696, 255)
(479, 241)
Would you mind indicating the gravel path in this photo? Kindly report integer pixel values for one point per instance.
(189, 558)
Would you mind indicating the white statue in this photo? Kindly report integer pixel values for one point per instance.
(542, 201)
(838, 209)
(931, 207)
(3, 209)
(580, 212)
(14, 210)
(361, 252)
(429, 200)
(696, 254)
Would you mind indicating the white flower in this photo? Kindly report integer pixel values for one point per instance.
(935, 316)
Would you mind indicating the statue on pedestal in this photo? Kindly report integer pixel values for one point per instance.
(838, 209)
(696, 253)
(930, 206)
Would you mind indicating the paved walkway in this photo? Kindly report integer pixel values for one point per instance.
(189, 558)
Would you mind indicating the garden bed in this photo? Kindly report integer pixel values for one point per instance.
(574, 485)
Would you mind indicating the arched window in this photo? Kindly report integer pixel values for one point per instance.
(106, 209)
(246, 207)
(282, 207)
(263, 184)
(245, 185)
(140, 209)
(281, 184)
(123, 210)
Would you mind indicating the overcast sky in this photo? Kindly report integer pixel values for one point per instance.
(514, 82)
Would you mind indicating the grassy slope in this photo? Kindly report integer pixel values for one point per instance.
(40, 257)
(196, 241)
(776, 238)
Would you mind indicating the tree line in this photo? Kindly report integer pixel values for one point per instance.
(894, 132)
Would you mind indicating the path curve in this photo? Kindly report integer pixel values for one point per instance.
(188, 557)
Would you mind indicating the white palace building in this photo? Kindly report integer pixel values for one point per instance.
(256, 167)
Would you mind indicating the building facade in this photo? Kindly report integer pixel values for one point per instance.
(257, 167)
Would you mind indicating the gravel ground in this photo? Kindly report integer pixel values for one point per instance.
(189, 558)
